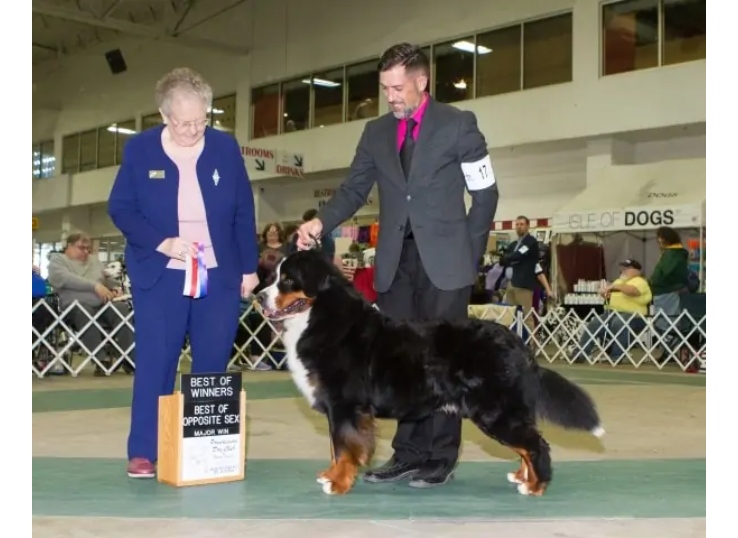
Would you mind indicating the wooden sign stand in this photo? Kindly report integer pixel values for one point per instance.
(202, 432)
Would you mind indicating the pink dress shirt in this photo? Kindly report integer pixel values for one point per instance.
(418, 117)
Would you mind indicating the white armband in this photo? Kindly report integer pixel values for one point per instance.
(479, 174)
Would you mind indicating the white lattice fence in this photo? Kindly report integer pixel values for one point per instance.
(58, 348)
(558, 335)
(610, 337)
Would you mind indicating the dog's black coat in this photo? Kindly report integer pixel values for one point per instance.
(365, 364)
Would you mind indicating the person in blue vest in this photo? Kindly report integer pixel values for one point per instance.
(183, 201)
(42, 318)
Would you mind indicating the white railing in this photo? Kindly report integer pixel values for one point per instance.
(559, 335)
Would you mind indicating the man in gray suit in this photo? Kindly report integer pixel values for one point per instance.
(423, 156)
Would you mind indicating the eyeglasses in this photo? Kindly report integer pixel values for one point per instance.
(84, 248)
(188, 125)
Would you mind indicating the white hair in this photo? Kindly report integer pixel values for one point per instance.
(182, 80)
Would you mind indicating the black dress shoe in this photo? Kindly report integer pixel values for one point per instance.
(433, 473)
(392, 471)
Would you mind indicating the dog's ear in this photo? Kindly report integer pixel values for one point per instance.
(312, 274)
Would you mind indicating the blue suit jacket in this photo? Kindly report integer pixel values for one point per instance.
(143, 205)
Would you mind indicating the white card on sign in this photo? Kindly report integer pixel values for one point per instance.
(479, 174)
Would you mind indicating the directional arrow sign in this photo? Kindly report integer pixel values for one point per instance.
(270, 161)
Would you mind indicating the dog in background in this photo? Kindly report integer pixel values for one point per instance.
(355, 364)
(116, 271)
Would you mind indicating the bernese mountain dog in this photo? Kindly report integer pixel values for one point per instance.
(354, 364)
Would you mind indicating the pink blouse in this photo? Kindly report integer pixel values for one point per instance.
(193, 224)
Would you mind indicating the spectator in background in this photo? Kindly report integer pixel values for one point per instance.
(669, 277)
(42, 319)
(272, 238)
(272, 248)
(77, 276)
(42, 316)
(627, 299)
(522, 269)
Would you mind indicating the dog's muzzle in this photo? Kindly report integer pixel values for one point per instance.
(261, 300)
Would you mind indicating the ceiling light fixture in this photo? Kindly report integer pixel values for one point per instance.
(122, 130)
(322, 82)
(468, 46)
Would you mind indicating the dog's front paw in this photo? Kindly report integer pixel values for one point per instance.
(324, 476)
(336, 487)
(334, 482)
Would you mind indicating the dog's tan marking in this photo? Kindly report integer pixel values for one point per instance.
(529, 483)
(358, 449)
(284, 300)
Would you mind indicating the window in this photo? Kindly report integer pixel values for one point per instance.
(44, 160)
(547, 51)
(685, 31)
(295, 104)
(106, 146)
(151, 120)
(96, 148)
(630, 36)
(124, 130)
(70, 154)
(499, 61)
(454, 70)
(88, 150)
(363, 91)
(328, 91)
(265, 111)
(223, 113)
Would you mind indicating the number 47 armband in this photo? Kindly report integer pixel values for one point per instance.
(479, 174)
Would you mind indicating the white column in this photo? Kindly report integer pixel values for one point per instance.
(257, 203)
(66, 227)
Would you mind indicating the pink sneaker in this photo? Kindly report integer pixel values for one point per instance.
(141, 468)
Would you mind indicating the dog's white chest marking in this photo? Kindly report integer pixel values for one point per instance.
(294, 327)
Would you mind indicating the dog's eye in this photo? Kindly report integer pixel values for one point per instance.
(287, 281)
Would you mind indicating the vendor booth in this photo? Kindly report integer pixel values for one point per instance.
(616, 218)
(617, 215)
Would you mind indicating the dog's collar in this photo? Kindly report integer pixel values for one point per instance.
(295, 308)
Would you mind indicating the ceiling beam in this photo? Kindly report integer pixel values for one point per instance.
(48, 9)
(109, 10)
(41, 46)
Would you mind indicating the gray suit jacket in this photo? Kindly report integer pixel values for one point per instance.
(450, 242)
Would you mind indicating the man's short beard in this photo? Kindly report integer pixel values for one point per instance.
(406, 113)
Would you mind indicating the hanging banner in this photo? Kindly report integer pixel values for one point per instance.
(630, 218)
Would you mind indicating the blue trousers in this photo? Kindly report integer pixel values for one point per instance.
(162, 319)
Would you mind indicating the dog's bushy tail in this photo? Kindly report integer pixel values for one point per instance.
(564, 403)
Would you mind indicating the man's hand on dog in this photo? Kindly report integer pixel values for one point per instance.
(307, 233)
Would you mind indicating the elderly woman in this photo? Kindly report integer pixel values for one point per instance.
(184, 202)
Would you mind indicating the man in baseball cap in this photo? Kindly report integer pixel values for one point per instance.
(631, 264)
(628, 298)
